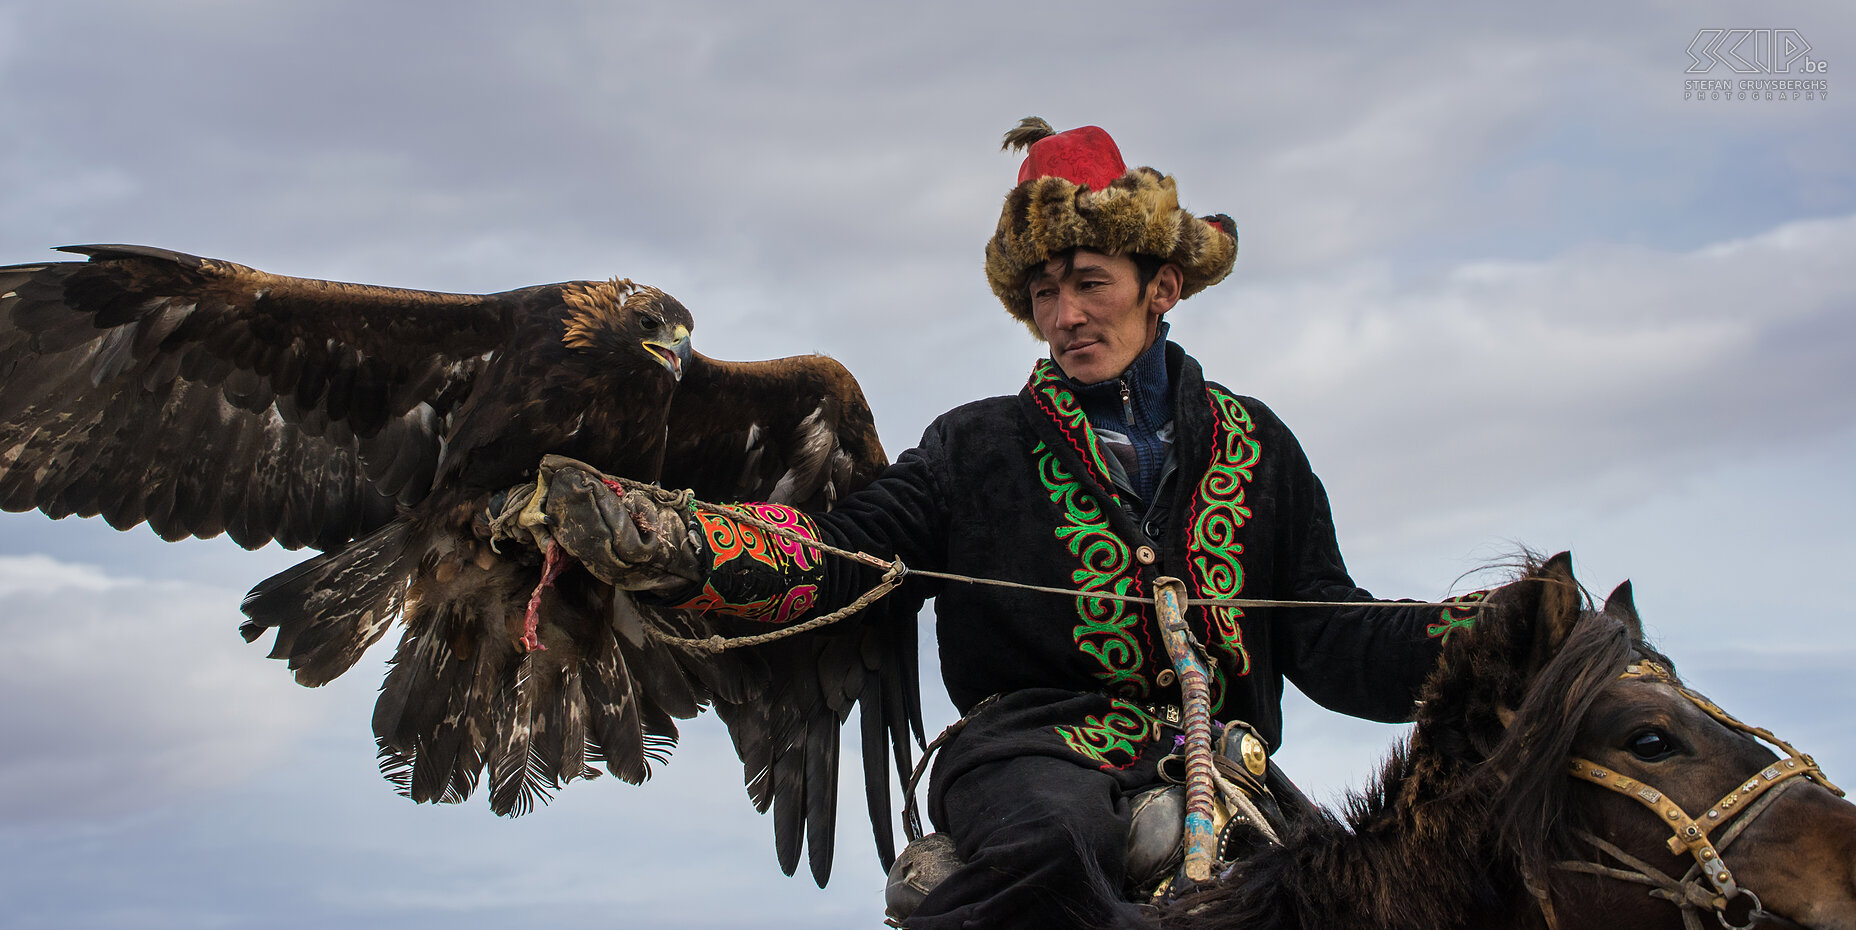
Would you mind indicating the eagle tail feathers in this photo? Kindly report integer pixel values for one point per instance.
(519, 773)
(461, 700)
(437, 706)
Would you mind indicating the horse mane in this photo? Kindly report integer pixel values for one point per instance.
(1470, 809)
(1534, 822)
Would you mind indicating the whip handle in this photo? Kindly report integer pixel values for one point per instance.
(1201, 841)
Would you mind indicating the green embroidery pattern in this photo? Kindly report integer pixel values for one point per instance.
(1114, 740)
(1061, 406)
(1452, 619)
(1107, 630)
(1212, 547)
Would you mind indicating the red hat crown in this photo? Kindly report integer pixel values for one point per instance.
(1084, 156)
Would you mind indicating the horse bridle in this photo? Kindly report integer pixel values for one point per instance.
(1734, 812)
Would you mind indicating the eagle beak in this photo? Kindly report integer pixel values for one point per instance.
(673, 352)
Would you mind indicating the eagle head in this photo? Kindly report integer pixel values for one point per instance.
(618, 315)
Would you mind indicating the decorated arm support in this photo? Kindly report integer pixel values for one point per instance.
(755, 573)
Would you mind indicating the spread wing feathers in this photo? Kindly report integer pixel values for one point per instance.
(329, 609)
(206, 397)
(792, 430)
(789, 737)
(798, 431)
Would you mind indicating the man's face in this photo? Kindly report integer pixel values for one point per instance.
(1094, 316)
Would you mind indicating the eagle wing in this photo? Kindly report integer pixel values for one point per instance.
(798, 431)
(205, 397)
(202, 397)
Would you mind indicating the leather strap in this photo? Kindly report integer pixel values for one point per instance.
(1691, 834)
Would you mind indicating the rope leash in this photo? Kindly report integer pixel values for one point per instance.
(1190, 601)
(895, 572)
(686, 498)
(719, 643)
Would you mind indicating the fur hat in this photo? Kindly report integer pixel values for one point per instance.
(1074, 192)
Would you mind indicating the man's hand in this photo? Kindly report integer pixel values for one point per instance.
(631, 541)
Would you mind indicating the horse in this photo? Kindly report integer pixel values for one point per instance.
(1559, 776)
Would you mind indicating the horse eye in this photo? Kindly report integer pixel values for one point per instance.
(1651, 745)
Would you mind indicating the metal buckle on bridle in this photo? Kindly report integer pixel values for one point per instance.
(1739, 807)
(1753, 914)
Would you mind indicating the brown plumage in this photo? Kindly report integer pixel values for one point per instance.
(1029, 130)
(374, 424)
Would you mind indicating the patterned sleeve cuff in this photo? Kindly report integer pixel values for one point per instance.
(753, 573)
(1451, 619)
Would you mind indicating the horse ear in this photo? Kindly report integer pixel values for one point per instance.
(1621, 606)
(1559, 606)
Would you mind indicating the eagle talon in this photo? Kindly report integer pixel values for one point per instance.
(512, 523)
(532, 516)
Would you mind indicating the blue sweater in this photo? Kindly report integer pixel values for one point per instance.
(1138, 404)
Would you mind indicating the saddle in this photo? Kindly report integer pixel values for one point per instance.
(1255, 804)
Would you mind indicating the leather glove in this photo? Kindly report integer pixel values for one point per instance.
(634, 541)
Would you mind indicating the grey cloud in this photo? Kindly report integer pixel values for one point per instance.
(1605, 367)
(320, 840)
(112, 699)
(759, 145)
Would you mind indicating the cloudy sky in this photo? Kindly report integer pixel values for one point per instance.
(1506, 282)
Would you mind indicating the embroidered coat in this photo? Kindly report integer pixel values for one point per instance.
(1016, 488)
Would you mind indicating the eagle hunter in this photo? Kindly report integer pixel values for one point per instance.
(376, 425)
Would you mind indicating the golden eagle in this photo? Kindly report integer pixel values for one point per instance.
(374, 424)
